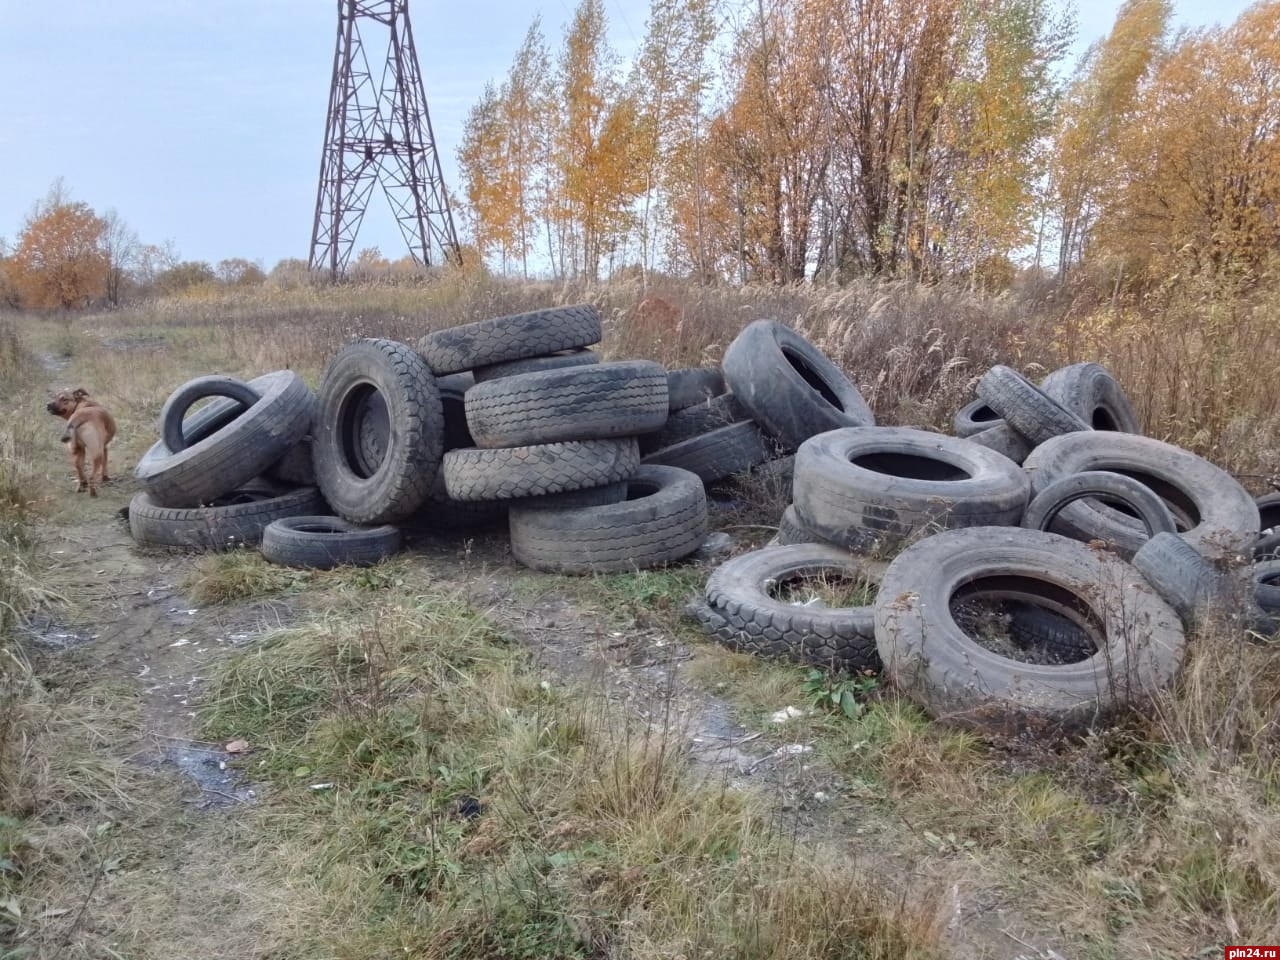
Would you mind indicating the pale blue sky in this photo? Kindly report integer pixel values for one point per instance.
(202, 122)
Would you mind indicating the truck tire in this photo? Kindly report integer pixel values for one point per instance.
(538, 470)
(234, 520)
(322, 543)
(514, 337)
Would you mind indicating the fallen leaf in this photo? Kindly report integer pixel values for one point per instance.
(237, 746)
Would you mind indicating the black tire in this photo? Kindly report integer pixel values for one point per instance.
(1025, 407)
(538, 470)
(1268, 545)
(956, 679)
(380, 389)
(1182, 576)
(201, 388)
(234, 520)
(1266, 585)
(789, 386)
(220, 411)
(441, 513)
(515, 337)
(694, 421)
(1141, 499)
(550, 361)
(1004, 440)
(973, 418)
(322, 543)
(719, 453)
(1056, 638)
(791, 529)
(693, 385)
(741, 613)
(580, 403)
(663, 519)
(1223, 517)
(234, 453)
(1090, 392)
(295, 467)
(865, 488)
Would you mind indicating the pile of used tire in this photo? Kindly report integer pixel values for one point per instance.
(1049, 558)
(595, 467)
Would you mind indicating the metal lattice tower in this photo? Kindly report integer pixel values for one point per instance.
(378, 130)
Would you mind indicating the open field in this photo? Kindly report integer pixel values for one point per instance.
(450, 756)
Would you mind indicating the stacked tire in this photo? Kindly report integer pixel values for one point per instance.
(553, 435)
(217, 478)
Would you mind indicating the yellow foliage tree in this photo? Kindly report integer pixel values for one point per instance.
(59, 260)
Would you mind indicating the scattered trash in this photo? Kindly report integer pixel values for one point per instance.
(785, 714)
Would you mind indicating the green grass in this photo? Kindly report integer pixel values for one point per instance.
(444, 802)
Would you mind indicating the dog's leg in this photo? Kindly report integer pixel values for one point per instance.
(105, 478)
(77, 461)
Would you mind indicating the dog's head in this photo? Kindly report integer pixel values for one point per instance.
(65, 402)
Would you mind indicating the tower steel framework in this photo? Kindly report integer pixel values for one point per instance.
(378, 130)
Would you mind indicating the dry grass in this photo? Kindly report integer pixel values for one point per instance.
(471, 809)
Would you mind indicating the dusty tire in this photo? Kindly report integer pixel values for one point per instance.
(234, 520)
(789, 386)
(515, 337)
(326, 542)
(694, 421)
(973, 418)
(1224, 517)
(690, 386)
(1141, 499)
(956, 679)
(550, 361)
(377, 388)
(1266, 585)
(1025, 407)
(538, 470)
(791, 529)
(1004, 440)
(663, 519)
(1182, 576)
(171, 415)
(1090, 392)
(744, 615)
(580, 403)
(719, 453)
(1268, 545)
(234, 453)
(864, 488)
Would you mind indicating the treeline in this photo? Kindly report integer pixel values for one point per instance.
(781, 139)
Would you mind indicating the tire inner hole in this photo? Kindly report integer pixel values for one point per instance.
(812, 378)
(1183, 508)
(909, 466)
(823, 588)
(364, 426)
(984, 414)
(1027, 620)
(1103, 420)
(639, 489)
(317, 527)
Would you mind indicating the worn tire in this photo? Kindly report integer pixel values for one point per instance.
(515, 337)
(744, 616)
(1090, 392)
(538, 470)
(550, 361)
(864, 488)
(791, 529)
(1182, 576)
(693, 421)
(236, 451)
(719, 453)
(1025, 407)
(201, 388)
(440, 512)
(1266, 585)
(1141, 499)
(1225, 517)
(326, 542)
(580, 403)
(789, 386)
(663, 519)
(690, 386)
(1268, 545)
(382, 384)
(974, 417)
(1004, 440)
(233, 520)
(935, 663)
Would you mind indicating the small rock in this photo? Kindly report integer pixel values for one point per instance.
(237, 746)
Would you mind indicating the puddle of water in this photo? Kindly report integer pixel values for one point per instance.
(219, 784)
(48, 634)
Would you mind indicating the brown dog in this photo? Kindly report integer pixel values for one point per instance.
(89, 429)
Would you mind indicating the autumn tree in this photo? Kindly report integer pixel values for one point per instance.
(239, 272)
(59, 260)
(183, 276)
(121, 247)
(483, 159)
